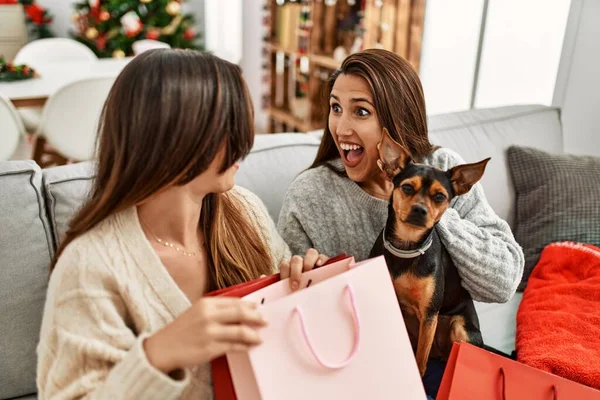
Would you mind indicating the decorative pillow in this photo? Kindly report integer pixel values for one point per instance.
(557, 199)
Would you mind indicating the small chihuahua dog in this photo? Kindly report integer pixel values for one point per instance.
(425, 279)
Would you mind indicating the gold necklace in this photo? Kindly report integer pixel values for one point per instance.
(171, 245)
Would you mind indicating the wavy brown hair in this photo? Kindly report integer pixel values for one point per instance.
(166, 117)
(398, 99)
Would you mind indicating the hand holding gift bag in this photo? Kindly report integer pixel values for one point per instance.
(342, 336)
(474, 373)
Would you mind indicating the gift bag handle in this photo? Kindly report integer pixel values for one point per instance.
(503, 376)
(316, 356)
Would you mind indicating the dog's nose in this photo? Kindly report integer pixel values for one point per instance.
(419, 210)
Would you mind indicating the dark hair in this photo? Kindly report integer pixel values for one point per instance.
(166, 118)
(398, 99)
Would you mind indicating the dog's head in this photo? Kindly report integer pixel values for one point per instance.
(422, 193)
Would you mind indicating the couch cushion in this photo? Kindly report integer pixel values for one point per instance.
(499, 323)
(478, 134)
(26, 250)
(557, 200)
(273, 164)
(66, 188)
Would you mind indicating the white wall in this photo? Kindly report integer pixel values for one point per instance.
(61, 10)
(578, 86)
(252, 58)
(521, 52)
(520, 44)
(448, 54)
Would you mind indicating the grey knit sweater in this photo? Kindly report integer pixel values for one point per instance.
(334, 215)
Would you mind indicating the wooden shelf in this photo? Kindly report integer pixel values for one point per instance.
(288, 119)
(317, 59)
(311, 30)
(324, 61)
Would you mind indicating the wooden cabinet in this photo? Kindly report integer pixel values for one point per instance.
(306, 40)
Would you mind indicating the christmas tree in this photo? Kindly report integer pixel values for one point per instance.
(110, 27)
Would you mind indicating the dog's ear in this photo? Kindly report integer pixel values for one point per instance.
(393, 157)
(464, 176)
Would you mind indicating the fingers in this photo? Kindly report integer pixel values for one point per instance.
(284, 270)
(296, 265)
(240, 334)
(240, 313)
(310, 259)
(322, 260)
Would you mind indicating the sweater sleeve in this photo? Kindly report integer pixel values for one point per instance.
(86, 349)
(289, 225)
(260, 216)
(488, 258)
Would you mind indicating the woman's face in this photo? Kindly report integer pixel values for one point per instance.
(355, 127)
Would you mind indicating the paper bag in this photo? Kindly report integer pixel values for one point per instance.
(340, 338)
(221, 377)
(474, 373)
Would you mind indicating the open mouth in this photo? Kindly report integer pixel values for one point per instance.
(353, 153)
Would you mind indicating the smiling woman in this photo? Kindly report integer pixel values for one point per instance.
(340, 204)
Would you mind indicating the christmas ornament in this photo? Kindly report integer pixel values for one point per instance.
(104, 15)
(153, 34)
(146, 1)
(173, 8)
(118, 53)
(189, 34)
(94, 3)
(75, 17)
(91, 33)
(131, 23)
(101, 42)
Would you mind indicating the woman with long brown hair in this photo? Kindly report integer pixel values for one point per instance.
(341, 203)
(125, 315)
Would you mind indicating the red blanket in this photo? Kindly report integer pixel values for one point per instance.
(558, 322)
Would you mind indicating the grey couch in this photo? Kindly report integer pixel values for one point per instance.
(35, 206)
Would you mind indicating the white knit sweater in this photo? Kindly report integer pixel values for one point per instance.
(108, 292)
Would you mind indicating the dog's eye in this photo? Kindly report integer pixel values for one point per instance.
(407, 189)
(439, 198)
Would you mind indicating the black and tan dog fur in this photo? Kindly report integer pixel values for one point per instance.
(438, 310)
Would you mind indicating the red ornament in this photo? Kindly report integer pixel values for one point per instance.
(153, 34)
(104, 16)
(189, 34)
(101, 42)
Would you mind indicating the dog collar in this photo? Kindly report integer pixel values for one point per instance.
(408, 253)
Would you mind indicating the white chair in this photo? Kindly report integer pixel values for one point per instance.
(70, 117)
(140, 46)
(11, 129)
(51, 50)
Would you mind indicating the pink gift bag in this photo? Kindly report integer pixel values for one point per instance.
(341, 337)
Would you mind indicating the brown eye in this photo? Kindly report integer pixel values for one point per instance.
(439, 198)
(408, 189)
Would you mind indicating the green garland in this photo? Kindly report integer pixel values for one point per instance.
(10, 72)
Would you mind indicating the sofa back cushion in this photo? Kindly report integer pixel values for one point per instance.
(66, 188)
(273, 164)
(478, 134)
(26, 250)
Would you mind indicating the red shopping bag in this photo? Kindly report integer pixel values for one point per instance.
(474, 373)
(221, 376)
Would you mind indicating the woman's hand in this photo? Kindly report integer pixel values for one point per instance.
(294, 268)
(210, 328)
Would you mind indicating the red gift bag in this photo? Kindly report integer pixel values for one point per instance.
(222, 383)
(474, 373)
